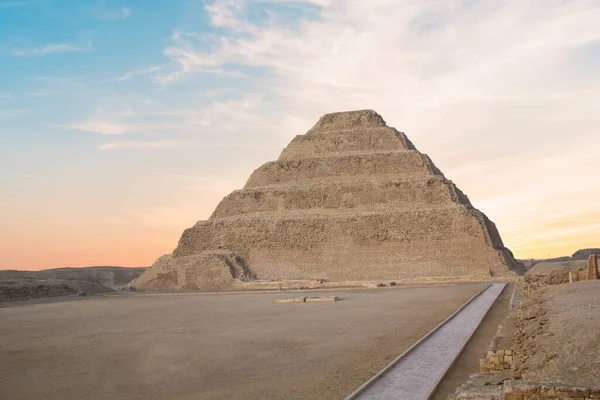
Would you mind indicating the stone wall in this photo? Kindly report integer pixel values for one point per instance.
(518, 390)
(392, 245)
(354, 196)
(346, 142)
(578, 276)
(498, 360)
(342, 167)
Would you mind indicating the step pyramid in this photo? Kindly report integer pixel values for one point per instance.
(350, 200)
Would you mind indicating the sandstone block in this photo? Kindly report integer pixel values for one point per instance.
(291, 300)
(575, 392)
(321, 299)
(538, 390)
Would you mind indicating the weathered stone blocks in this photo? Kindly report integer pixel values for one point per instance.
(351, 200)
(317, 299)
(322, 299)
(292, 300)
(518, 390)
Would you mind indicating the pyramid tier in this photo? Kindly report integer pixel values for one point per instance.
(356, 246)
(390, 193)
(378, 139)
(350, 120)
(308, 170)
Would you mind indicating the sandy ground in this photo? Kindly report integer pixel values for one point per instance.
(52, 283)
(468, 361)
(20, 290)
(227, 346)
(557, 335)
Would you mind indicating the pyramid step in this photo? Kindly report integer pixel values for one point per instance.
(364, 140)
(404, 163)
(357, 195)
(354, 246)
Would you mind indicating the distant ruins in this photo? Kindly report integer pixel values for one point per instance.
(592, 267)
(351, 200)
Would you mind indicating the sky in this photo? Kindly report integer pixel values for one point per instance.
(124, 122)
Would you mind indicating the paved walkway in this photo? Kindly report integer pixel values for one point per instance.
(415, 376)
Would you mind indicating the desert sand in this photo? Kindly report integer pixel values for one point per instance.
(213, 346)
(557, 335)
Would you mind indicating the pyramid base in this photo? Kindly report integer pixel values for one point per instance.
(209, 270)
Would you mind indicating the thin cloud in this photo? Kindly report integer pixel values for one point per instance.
(114, 15)
(143, 145)
(104, 127)
(138, 72)
(109, 123)
(54, 48)
(40, 94)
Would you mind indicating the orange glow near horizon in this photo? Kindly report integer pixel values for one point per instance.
(140, 253)
(132, 243)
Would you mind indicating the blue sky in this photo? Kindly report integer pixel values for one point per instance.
(124, 122)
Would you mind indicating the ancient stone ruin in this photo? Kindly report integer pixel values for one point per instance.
(350, 200)
(592, 267)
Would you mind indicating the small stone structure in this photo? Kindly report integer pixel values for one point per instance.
(317, 299)
(497, 361)
(592, 267)
(291, 300)
(578, 276)
(499, 357)
(350, 200)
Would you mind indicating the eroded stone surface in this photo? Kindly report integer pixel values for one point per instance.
(203, 271)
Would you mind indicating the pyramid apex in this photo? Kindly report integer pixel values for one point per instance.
(348, 120)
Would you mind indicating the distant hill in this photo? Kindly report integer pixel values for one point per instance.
(583, 254)
(25, 285)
